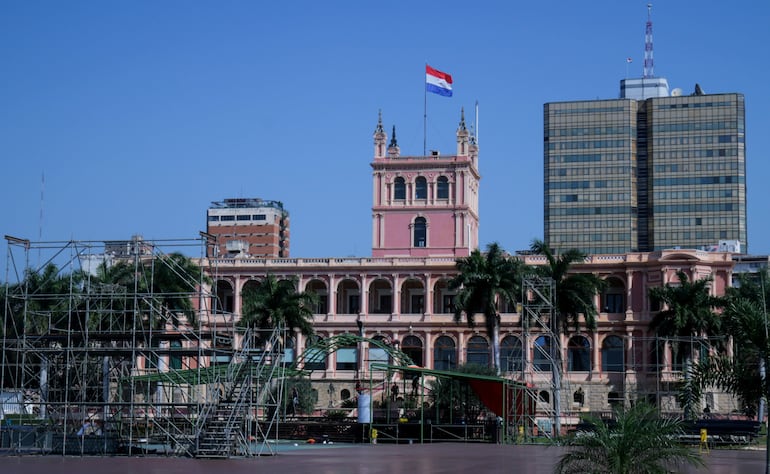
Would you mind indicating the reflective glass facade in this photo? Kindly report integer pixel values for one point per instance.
(698, 168)
(590, 175)
(626, 175)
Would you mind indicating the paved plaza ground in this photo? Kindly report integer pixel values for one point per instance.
(366, 459)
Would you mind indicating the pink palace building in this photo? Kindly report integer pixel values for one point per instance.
(425, 215)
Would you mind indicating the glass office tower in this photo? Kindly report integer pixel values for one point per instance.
(640, 175)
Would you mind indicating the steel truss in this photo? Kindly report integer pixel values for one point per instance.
(653, 368)
(539, 320)
(98, 364)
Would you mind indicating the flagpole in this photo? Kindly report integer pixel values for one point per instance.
(425, 117)
(476, 119)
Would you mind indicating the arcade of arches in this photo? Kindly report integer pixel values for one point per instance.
(452, 344)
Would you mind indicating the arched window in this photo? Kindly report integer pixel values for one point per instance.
(477, 351)
(380, 297)
(345, 394)
(348, 297)
(442, 188)
(347, 358)
(579, 354)
(399, 188)
(421, 188)
(322, 302)
(510, 354)
(542, 354)
(614, 296)
(315, 358)
(378, 355)
(544, 396)
(224, 302)
(412, 346)
(612, 354)
(420, 232)
(444, 354)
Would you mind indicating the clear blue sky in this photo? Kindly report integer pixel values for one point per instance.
(141, 113)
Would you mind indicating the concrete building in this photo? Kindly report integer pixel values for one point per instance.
(627, 175)
(641, 175)
(651, 170)
(248, 227)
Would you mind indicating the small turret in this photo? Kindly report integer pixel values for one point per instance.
(473, 150)
(463, 136)
(393, 150)
(380, 137)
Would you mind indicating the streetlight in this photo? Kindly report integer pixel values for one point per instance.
(359, 357)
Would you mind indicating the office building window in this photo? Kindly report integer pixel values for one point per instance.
(511, 356)
(612, 354)
(442, 188)
(315, 356)
(412, 346)
(444, 354)
(347, 358)
(477, 351)
(579, 355)
(420, 232)
(399, 188)
(421, 188)
(541, 359)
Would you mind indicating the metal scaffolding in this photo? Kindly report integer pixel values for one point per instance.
(120, 348)
(539, 321)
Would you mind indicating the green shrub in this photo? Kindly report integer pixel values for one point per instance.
(335, 415)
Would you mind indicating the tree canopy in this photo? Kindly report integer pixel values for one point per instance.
(484, 282)
(274, 304)
(636, 441)
(575, 292)
(689, 308)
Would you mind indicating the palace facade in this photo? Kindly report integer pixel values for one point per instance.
(424, 217)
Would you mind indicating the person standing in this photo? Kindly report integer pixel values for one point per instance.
(294, 401)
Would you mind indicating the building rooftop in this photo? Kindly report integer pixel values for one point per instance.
(239, 203)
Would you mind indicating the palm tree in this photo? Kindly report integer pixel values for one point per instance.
(48, 298)
(164, 284)
(574, 296)
(275, 304)
(744, 374)
(575, 292)
(636, 441)
(689, 313)
(43, 303)
(175, 277)
(753, 287)
(484, 282)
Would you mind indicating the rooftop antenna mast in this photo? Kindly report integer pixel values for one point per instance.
(40, 224)
(648, 61)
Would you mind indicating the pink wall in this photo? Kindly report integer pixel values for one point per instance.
(398, 234)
